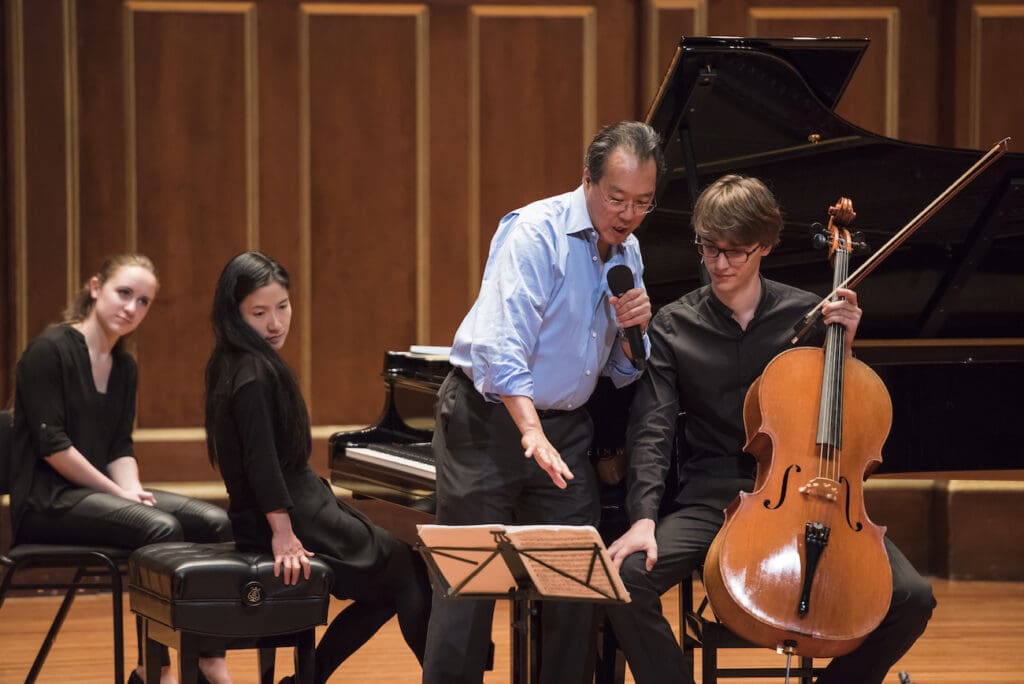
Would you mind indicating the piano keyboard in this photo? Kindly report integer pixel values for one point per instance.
(414, 458)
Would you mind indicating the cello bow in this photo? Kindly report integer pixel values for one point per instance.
(810, 319)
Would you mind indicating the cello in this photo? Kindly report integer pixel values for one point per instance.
(798, 565)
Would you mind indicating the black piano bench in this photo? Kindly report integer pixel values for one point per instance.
(210, 597)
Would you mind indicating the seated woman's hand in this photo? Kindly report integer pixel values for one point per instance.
(139, 495)
(290, 558)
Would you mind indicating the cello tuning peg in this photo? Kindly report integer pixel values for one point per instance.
(819, 241)
(859, 243)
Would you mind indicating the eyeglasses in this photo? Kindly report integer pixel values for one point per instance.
(619, 205)
(733, 256)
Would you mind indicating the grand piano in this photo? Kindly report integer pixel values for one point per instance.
(391, 460)
(944, 315)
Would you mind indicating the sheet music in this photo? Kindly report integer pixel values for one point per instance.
(430, 353)
(576, 551)
(563, 561)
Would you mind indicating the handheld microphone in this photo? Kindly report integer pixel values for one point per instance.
(620, 279)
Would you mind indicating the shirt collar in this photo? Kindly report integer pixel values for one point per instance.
(578, 221)
(724, 310)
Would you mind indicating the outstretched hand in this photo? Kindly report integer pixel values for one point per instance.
(536, 446)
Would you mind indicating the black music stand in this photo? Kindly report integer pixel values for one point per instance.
(501, 562)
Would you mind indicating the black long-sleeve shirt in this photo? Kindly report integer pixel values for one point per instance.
(247, 452)
(259, 479)
(58, 406)
(702, 363)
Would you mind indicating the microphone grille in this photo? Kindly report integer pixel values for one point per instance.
(620, 279)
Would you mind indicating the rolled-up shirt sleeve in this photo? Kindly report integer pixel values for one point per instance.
(41, 396)
(510, 313)
(620, 368)
(251, 411)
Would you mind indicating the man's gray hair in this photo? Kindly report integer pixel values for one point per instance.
(634, 137)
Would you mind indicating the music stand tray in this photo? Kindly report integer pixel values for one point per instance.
(522, 563)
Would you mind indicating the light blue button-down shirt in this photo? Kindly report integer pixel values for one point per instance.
(542, 326)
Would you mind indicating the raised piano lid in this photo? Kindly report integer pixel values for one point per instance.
(765, 108)
(944, 315)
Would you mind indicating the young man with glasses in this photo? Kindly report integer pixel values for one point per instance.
(512, 435)
(706, 349)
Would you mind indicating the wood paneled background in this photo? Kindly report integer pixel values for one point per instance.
(372, 147)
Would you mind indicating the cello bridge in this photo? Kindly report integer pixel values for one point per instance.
(821, 487)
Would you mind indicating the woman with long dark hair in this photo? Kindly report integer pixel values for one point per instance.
(75, 479)
(258, 435)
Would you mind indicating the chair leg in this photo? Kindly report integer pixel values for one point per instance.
(267, 658)
(151, 654)
(305, 657)
(188, 659)
(610, 664)
(686, 641)
(709, 661)
(807, 664)
(118, 610)
(51, 635)
(6, 582)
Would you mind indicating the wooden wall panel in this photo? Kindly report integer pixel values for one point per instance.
(7, 309)
(101, 123)
(190, 168)
(280, 151)
(44, 249)
(366, 202)
(923, 44)
(450, 289)
(534, 77)
(996, 74)
(665, 22)
(872, 97)
(617, 61)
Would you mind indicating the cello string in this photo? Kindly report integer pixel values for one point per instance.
(838, 354)
(832, 372)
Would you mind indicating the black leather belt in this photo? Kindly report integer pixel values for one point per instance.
(460, 373)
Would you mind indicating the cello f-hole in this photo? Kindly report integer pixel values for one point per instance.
(855, 526)
(783, 488)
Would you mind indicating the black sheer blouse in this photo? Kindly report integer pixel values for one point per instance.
(57, 406)
(247, 451)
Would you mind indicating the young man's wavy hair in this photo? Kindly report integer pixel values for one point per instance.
(739, 210)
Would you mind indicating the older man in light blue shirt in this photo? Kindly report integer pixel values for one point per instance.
(543, 326)
(512, 437)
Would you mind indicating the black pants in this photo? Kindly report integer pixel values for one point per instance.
(107, 520)
(683, 539)
(483, 477)
(401, 588)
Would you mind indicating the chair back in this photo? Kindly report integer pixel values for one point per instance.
(6, 449)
